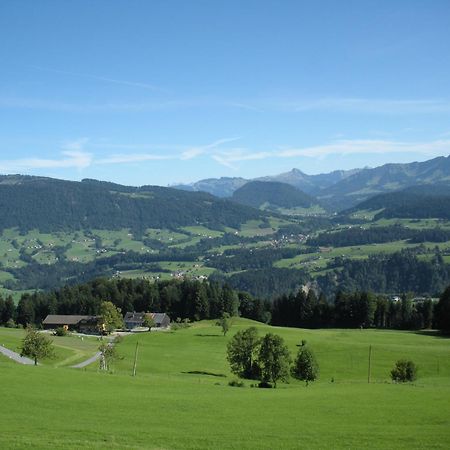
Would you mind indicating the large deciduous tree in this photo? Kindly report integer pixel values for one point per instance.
(242, 353)
(36, 345)
(274, 359)
(110, 317)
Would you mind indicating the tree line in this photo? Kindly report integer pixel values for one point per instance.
(195, 300)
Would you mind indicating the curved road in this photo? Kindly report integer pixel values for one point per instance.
(87, 362)
(15, 356)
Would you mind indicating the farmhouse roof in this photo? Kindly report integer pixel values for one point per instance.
(66, 319)
(134, 316)
(158, 317)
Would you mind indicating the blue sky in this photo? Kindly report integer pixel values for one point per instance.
(161, 92)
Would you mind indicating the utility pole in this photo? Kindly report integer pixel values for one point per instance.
(370, 362)
(135, 358)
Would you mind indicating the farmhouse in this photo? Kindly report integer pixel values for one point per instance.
(83, 324)
(135, 319)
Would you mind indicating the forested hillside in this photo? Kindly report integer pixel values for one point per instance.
(272, 194)
(55, 205)
(414, 202)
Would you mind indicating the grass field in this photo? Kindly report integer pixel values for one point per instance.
(165, 407)
(69, 350)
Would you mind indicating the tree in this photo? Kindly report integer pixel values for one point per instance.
(224, 322)
(110, 317)
(149, 322)
(443, 312)
(404, 371)
(9, 310)
(274, 359)
(36, 345)
(305, 365)
(241, 353)
(108, 354)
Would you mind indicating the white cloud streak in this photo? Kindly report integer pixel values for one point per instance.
(148, 86)
(194, 152)
(260, 106)
(74, 155)
(70, 159)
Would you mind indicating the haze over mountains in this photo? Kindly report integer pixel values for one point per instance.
(340, 189)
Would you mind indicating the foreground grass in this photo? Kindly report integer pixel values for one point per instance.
(180, 398)
(48, 408)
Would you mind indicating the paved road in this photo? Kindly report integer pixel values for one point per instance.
(15, 356)
(87, 362)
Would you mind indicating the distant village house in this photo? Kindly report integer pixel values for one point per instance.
(136, 320)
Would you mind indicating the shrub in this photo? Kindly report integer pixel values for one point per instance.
(404, 371)
(236, 383)
(60, 331)
(10, 324)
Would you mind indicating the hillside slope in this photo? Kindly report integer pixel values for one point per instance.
(417, 202)
(54, 205)
(271, 194)
(387, 178)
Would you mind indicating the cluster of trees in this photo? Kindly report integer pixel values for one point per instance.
(186, 299)
(377, 235)
(352, 310)
(401, 271)
(243, 259)
(268, 359)
(7, 311)
(264, 283)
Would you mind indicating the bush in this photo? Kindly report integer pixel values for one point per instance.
(404, 371)
(60, 331)
(236, 383)
(10, 324)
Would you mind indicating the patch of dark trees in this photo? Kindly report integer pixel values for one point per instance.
(265, 283)
(377, 235)
(401, 271)
(245, 259)
(419, 202)
(352, 310)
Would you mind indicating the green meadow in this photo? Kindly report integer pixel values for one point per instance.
(69, 350)
(180, 397)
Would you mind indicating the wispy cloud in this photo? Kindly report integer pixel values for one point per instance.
(193, 152)
(232, 157)
(73, 154)
(136, 84)
(366, 146)
(132, 158)
(229, 158)
(68, 160)
(378, 106)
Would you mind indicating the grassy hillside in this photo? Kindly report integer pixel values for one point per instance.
(165, 407)
(69, 350)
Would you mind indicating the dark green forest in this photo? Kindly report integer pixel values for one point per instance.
(54, 205)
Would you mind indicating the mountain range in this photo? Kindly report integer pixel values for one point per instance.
(340, 190)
